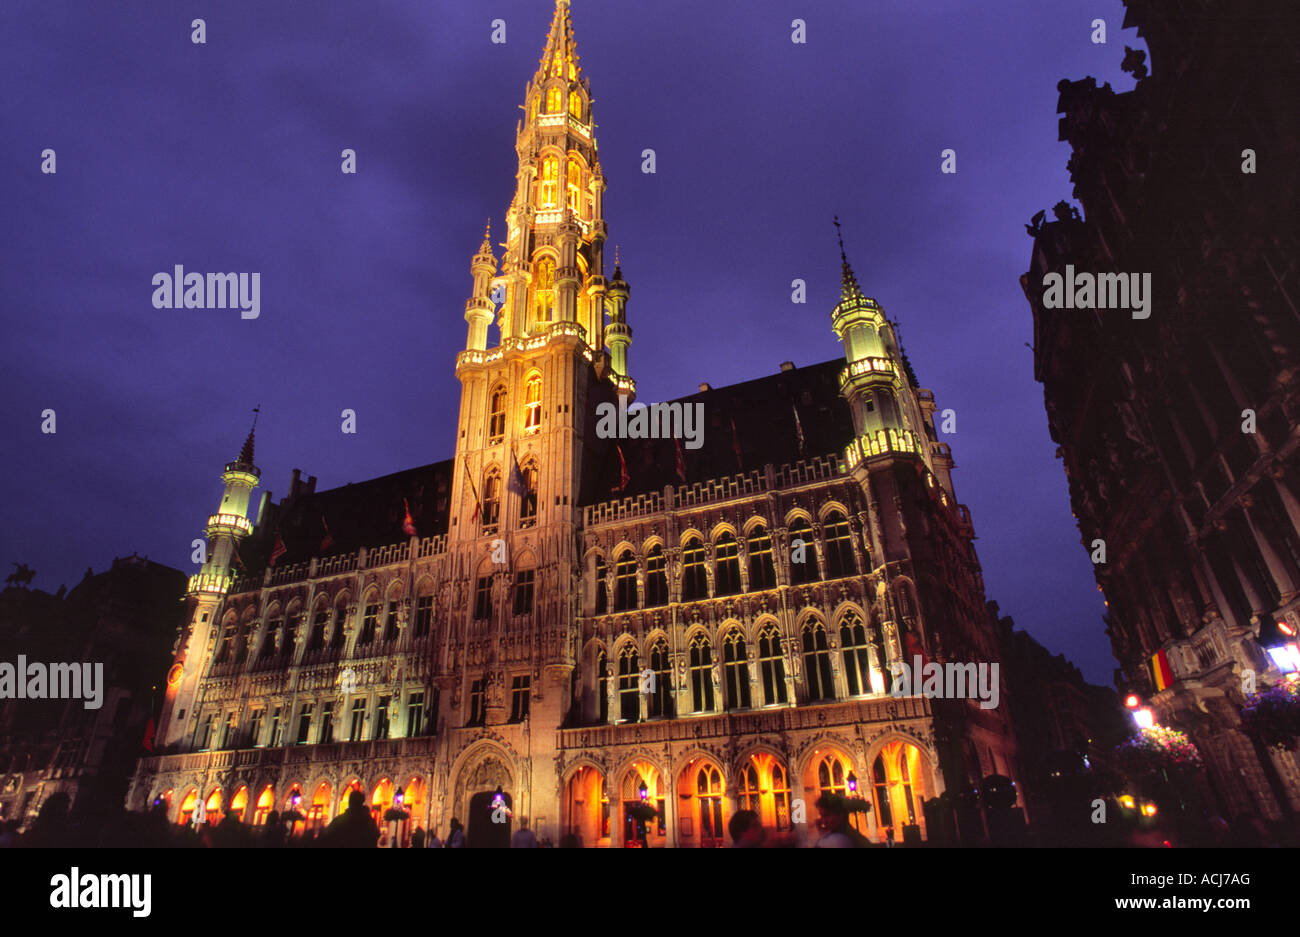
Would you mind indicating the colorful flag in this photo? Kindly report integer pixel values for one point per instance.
(328, 540)
(798, 428)
(735, 445)
(681, 461)
(1164, 674)
(623, 476)
(408, 525)
(278, 550)
(149, 730)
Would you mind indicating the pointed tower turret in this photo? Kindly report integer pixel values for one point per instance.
(479, 308)
(208, 588)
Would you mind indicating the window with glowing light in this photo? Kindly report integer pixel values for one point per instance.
(533, 404)
(544, 290)
(574, 186)
(549, 191)
(575, 104)
(491, 501)
(708, 788)
(750, 798)
(553, 98)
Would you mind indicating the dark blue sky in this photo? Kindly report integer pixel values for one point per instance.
(225, 157)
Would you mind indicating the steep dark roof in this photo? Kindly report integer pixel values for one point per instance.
(366, 514)
(763, 413)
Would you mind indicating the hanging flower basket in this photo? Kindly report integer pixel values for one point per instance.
(395, 813)
(292, 816)
(1273, 716)
(857, 805)
(1158, 750)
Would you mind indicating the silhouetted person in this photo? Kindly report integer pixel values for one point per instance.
(275, 833)
(746, 830)
(417, 838)
(833, 820)
(355, 828)
(456, 838)
(524, 838)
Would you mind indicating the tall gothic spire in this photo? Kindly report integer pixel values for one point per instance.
(560, 57)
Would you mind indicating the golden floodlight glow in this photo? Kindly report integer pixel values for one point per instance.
(1127, 801)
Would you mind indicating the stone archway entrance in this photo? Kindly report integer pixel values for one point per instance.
(483, 831)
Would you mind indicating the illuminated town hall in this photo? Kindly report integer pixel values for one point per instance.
(575, 624)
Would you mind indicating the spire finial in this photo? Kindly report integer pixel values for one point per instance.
(839, 236)
(617, 262)
(246, 453)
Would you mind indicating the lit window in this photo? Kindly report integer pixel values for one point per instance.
(781, 796)
(708, 787)
(533, 404)
(550, 182)
(749, 792)
(553, 101)
(574, 186)
(575, 104)
(544, 290)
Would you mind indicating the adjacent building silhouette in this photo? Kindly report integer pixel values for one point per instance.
(1178, 431)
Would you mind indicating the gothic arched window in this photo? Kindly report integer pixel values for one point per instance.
(553, 96)
(575, 104)
(839, 547)
(528, 496)
(656, 578)
(625, 581)
(762, 575)
(602, 684)
(803, 553)
(701, 667)
(708, 788)
(735, 667)
(694, 583)
(857, 660)
(629, 684)
(830, 776)
(602, 587)
(749, 790)
(817, 662)
(661, 693)
(574, 186)
(771, 664)
(550, 179)
(533, 404)
(727, 565)
(497, 416)
(544, 290)
(491, 501)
